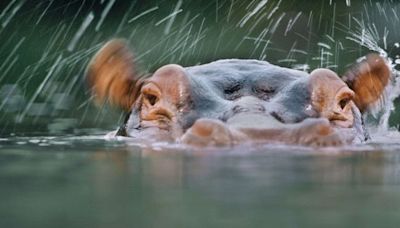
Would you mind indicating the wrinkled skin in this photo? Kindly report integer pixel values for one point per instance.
(233, 101)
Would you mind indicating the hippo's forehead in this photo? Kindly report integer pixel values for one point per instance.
(219, 86)
(243, 74)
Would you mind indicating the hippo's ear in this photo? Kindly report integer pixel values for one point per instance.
(111, 75)
(368, 80)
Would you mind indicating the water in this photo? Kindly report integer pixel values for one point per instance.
(91, 182)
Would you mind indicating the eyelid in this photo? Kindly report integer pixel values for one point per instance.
(345, 92)
(348, 96)
(345, 96)
(150, 89)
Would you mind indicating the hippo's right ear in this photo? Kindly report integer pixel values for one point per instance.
(111, 75)
(368, 80)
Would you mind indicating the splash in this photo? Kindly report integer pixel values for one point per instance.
(6, 20)
(104, 14)
(259, 6)
(368, 37)
(81, 30)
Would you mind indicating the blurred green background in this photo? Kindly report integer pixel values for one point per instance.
(46, 45)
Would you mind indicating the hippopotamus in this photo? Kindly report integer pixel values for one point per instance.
(234, 101)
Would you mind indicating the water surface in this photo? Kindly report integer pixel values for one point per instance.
(88, 181)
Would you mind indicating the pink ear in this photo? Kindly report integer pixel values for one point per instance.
(368, 80)
(111, 75)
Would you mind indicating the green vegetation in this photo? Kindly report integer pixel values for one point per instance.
(47, 44)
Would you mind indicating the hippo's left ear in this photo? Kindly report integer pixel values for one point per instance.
(112, 75)
(368, 80)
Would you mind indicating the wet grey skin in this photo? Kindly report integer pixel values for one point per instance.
(249, 93)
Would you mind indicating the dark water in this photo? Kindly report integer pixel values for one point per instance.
(91, 182)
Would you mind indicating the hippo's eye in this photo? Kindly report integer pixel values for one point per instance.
(152, 99)
(344, 102)
(151, 94)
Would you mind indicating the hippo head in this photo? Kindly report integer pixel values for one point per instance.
(231, 101)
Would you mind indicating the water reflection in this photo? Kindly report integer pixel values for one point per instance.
(47, 45)
(69, 182)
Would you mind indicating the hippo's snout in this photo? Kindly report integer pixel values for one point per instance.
(255, 108)
(245, 104)
(248, 104)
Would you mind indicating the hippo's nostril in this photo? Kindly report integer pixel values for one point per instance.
(238, 109)
(277, 116)
(253, 108)
(261, 108)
